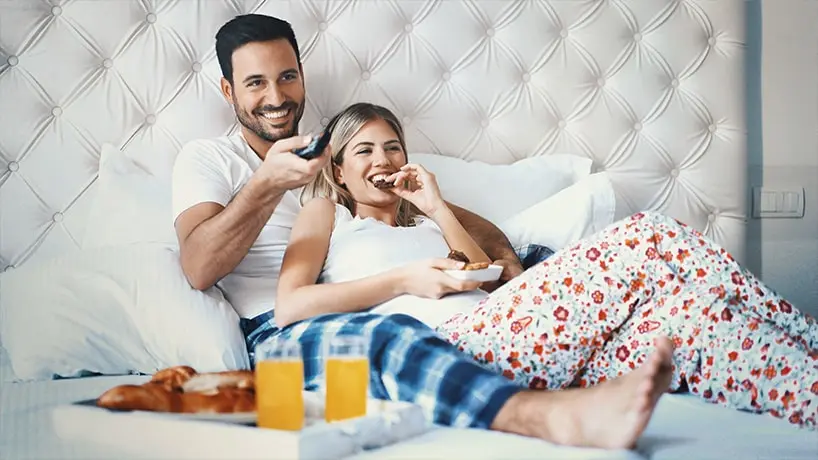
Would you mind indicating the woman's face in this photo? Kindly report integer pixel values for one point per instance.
(374, 151)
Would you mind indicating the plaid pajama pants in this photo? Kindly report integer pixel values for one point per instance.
(408, 362)
(532, 254)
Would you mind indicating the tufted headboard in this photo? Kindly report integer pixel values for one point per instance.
(651, 90)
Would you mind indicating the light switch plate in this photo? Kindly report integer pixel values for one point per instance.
(778, 202)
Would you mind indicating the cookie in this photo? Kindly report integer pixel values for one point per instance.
(476, 266)
(380, 183)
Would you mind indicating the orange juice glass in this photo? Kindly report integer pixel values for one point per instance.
(347, 378)
(279, 385)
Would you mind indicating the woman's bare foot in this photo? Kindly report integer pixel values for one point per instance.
(611, 415)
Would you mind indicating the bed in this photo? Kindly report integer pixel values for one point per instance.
(589, 109)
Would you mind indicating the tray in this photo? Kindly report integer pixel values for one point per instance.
(163, 435)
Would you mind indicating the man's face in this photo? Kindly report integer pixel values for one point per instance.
(267, 90)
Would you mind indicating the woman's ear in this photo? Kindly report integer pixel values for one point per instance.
(337, 174)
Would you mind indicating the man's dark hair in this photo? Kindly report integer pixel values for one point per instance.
(249, 28)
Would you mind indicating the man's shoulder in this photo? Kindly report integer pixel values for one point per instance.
(214, 148)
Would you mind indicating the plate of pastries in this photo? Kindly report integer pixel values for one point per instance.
(474, 271)
(224, 396)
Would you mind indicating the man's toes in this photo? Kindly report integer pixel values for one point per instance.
(653, 364)
(646, 387)
(665, 345)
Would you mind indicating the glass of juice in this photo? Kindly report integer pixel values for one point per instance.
(279, 385)
(347, 378)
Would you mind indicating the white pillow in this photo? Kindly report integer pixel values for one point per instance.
(132, 204)
(497, 192)
(6, 371)
(114, 310)
(576, 212)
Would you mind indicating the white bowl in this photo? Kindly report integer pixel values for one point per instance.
(490, 273)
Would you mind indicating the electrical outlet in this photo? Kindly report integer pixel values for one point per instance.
(786, 203)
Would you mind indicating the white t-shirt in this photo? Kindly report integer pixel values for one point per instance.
(215, 170)
(361, 247)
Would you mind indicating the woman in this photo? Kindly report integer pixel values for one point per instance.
(587, 314)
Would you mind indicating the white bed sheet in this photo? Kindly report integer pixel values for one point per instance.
(683, 428)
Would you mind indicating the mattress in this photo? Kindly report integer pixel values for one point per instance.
(683, 428)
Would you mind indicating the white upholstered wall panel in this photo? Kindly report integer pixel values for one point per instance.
(652, 90)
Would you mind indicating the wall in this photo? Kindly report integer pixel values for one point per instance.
(783, 110)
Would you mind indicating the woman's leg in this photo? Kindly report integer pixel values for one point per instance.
(758, 367)
(744, 346)
(544, 327)
(591, 311)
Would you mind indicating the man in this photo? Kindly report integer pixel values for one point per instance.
(234, 205)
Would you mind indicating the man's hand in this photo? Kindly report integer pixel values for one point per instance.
(511, 269)
(284, 170)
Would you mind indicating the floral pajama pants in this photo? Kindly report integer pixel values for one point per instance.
(591, 311)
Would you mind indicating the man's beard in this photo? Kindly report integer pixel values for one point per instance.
(254, 124)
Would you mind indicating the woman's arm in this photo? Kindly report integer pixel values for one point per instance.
(299, 297)
(490, 238)
(456, 235)
(419, 187)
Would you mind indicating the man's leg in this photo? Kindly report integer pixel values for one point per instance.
(533, 254)
(410, 362)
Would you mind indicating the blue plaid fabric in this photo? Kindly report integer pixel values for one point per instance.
(408, 362)
(532, 254)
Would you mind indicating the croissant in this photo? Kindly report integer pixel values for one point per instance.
(150, 397)
(181, 389)
(156, 398)
(173, 378)
(243, 380)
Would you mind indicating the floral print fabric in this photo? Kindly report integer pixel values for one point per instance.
(591, 311)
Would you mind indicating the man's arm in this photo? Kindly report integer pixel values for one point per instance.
(492, 240)
(215, 229)
(214, 239)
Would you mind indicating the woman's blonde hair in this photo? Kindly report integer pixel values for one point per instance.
(343, 127)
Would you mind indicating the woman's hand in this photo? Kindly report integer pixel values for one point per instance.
(415, 184)
(426, 278)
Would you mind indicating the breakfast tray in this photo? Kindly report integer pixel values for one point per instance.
(163, 435)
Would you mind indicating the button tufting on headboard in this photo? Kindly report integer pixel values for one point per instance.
(651, 91)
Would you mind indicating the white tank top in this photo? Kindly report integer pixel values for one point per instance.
(362, 247)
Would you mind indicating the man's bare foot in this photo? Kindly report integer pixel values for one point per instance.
(611, 415)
